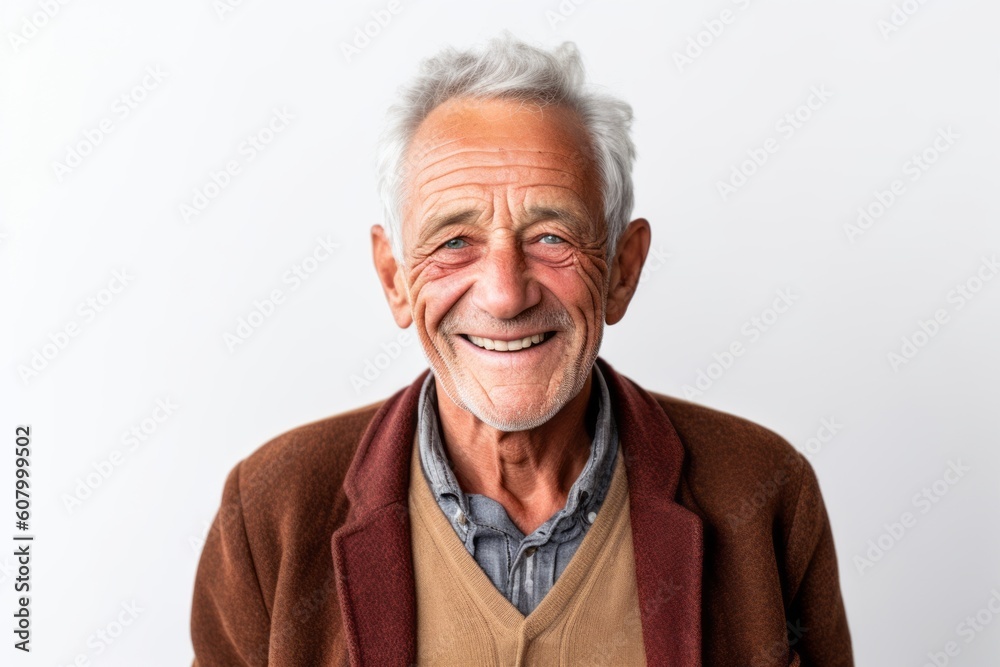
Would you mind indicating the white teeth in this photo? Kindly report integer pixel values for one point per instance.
(507, 345)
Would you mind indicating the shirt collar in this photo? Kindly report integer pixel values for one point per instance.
(583, 496)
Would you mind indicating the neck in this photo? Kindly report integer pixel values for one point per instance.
(528, 472)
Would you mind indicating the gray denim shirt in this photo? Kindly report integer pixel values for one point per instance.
(523, 568)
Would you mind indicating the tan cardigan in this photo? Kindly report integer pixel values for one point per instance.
(309, 561)
(589, 617)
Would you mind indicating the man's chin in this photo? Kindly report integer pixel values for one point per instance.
(510, 397)
(510, 418)
(512, 407)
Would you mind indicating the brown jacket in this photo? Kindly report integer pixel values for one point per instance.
(308, 561)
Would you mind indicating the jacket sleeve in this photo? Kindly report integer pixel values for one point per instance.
(230, 623)
(817, 621)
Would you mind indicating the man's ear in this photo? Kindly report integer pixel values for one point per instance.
(390, 274)
(626, 267)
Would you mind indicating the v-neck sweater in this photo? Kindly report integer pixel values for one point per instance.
(589, 617)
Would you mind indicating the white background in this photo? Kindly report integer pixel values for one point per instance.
(136, 537)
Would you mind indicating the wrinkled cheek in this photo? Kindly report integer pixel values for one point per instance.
(435, 301)
(592, 278)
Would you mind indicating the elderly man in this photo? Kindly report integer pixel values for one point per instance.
(521, 502)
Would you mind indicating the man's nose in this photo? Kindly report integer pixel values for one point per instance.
(504, 287)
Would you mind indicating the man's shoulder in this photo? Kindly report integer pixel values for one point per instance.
(730, 460)
(306, 462)
(282, 503)
(712, 433)
(323, 441)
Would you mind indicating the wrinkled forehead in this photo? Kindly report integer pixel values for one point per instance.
(464, 134)
(511, 124)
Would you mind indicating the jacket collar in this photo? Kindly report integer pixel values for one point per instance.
(666, 537)
(374, 563)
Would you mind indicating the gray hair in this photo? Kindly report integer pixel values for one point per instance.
(507, 68)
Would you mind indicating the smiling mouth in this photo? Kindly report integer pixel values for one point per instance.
(509, 345)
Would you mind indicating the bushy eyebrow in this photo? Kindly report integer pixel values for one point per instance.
(535, 214)
(438, 222)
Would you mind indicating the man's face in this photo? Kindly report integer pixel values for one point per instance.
(505, 257)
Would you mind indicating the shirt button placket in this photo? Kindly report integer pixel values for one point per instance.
(529, 574)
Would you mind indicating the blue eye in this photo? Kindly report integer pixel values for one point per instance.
(455, 244)
(551, 238)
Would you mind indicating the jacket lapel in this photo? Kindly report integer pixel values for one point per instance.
(374, 562)
(371, 550)
(666, 537)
